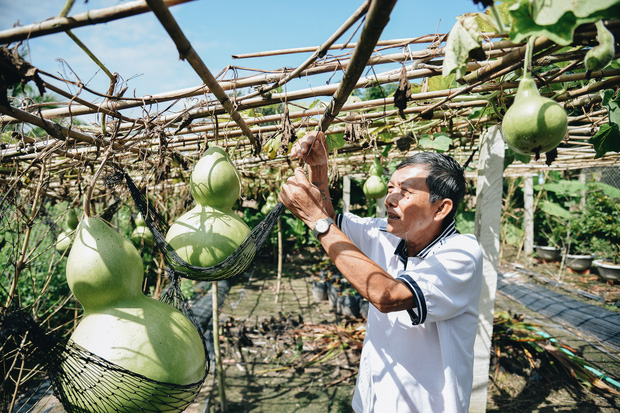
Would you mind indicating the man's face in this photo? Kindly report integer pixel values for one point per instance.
(409, 211)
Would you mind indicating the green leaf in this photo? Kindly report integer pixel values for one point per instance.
(335, 140)
(487, 22)
(607, 139)
(510, 156)
(610, 191)
(557, 19)
(613, 106)
(564, 187)
(441, 83)
(440, 142)
(464, 38)
(554, 209)
(513, 235)
(477, 112)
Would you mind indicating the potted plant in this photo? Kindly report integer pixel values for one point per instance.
(579, 250)
(604, 220)
(349, 303)
(550, 224)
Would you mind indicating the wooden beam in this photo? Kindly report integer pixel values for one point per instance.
(376, 20)
(61, 24)
(187, 52)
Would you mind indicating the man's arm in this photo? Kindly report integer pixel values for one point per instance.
(308, 202)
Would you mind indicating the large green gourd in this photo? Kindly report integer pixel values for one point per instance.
(210, 232)
(121, 324)
(534, 124)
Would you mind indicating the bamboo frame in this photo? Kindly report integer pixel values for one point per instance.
(377, 18)
(187, 52)
(61, 24)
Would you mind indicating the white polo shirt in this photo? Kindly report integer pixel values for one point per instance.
(419, 360)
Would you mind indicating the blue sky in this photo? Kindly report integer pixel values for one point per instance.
(139, 49)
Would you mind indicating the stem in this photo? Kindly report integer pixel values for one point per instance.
(66, 8)
(89, 192)
(19, 266)
(528, 56)
(498, 19)
(89, 53)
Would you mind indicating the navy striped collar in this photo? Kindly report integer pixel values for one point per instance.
(401, 249)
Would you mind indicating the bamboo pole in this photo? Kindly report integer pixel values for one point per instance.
(186, 51)
(429, 38)
(219, 367)
(328, 90)
(257, 80)
(61, 24)
(376, 19)
(280, 259)
(511, 58)
(83, 102)
(320, 51)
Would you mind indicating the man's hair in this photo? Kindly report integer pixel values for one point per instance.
(446, 178)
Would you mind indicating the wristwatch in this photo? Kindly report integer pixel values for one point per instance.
(321, 226)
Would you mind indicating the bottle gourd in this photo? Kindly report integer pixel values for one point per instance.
(142, 234)
(534, 124)
(375, 187)
(121, 324)
(210, 232)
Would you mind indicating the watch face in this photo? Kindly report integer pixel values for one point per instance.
(322, 226)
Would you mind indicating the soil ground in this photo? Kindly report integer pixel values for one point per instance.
(311, 366)
(283, 351)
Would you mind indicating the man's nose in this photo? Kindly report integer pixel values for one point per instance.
(391, 199)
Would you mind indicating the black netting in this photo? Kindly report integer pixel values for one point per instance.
(233, 265)
(85, 382)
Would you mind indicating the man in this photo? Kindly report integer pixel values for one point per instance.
(421, 276)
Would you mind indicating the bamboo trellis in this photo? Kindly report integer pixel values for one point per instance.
(219, 114)
(158, 147)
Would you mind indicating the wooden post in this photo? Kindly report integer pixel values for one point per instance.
(280, 253)
(221, 382)
(346, 193)
(528, 218)
(488, 217)
(380, 211)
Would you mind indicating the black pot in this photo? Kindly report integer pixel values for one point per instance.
(349, 305)
(547, 253)
(319, 290)
(607, 270)
(578, 262)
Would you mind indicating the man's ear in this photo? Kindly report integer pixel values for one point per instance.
(444, 206)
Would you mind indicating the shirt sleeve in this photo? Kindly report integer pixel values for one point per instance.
(361, 231)
(445, 284)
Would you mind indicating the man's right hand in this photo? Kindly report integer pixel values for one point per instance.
(312, 149)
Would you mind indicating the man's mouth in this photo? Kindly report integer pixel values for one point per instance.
(392, 216)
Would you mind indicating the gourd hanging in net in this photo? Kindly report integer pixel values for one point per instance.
(83, 377)
(85, 382)
(233, 265)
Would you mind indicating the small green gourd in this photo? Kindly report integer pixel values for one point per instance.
(122, 325)
(63, 241)
(270, 203)
(600, 56)
(375, 187)
(211, 231)
(141, 234)
(72, 220)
